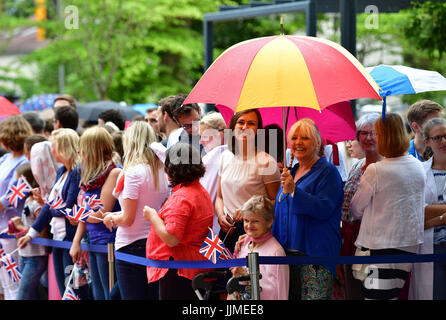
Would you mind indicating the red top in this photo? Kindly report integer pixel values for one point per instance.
(188, 215)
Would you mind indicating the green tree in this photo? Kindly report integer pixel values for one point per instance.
(135, 50)
(425, 27)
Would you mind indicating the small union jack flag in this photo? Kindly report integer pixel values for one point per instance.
(69, 294)
(2, 251)
(226, 254)
(95, 204)
(57, 203)
(77, 213)
(19, 190)
(212, 247)
(11, 267)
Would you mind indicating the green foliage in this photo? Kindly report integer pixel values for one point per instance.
(142, 50)
(137, 51)
(133, 50)
(392, 37)
(426, 27)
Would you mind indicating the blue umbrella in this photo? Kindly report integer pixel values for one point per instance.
(142, 107)
(397, 80)
(38, 102)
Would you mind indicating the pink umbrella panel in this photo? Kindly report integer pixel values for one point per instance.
(7, 108)
(335, 123)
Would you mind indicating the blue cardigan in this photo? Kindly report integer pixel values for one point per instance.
(310, 220)
(70, 191)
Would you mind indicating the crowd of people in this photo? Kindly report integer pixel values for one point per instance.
(154, 188)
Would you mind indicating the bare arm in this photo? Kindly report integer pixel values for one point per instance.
(223, 221)
(434, 210)
(75, 250)
(271, 190)
(160, 228)
(107, 198)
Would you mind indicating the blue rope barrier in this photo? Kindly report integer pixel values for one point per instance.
(293, 260)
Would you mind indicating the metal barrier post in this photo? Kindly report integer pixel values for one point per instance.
(253, 265)
(111, 268)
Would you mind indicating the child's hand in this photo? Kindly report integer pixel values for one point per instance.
(37, 195)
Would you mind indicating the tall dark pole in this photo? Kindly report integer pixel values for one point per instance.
(347, 9)
(208, 36)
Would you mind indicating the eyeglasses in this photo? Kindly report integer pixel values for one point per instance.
(365, 134)
(437, 139)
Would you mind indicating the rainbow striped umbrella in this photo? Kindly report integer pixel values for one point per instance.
(280, 71)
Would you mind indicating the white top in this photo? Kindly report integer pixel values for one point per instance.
(174, 137)
(58, 223)
(138, 185)
(31, 250)
(390, 202)
(209, 181)
(240, 180)
(422, 275)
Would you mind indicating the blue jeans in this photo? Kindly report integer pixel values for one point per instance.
(61, 260)
(132, 278)
(439, 275)
(99, 275)
(32, 269)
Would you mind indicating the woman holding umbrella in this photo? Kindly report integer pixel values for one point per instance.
(308, 211)
(244, 171)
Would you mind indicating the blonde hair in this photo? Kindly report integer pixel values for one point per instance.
(13, 132)
(307, 127)
(214, 120)
(136, 144)
(67, 145)
(96, 147)
(392, 138)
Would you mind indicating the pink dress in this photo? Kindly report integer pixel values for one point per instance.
(275, 277)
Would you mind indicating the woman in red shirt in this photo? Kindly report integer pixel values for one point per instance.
(178, 230)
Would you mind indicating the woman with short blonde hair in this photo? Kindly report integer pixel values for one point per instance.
(66, 143)
(308, 212)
